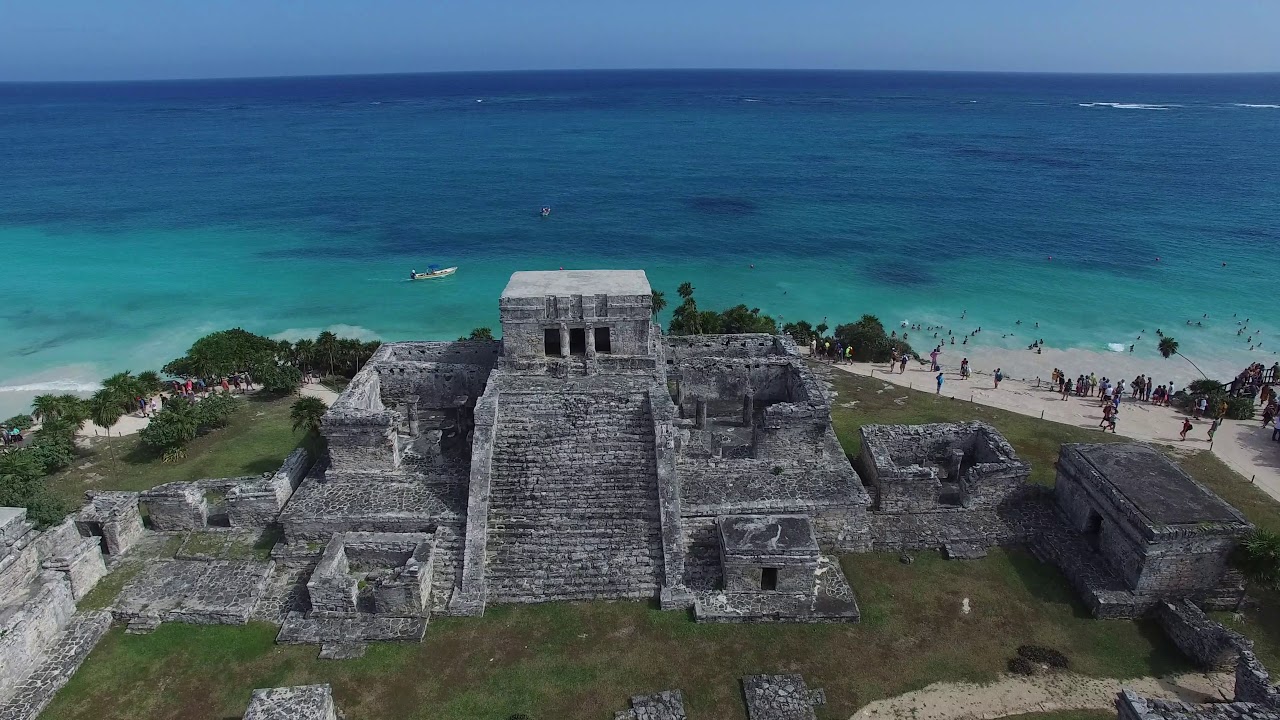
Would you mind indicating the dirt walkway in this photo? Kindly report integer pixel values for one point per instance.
(1015, 694)
(1243, 445)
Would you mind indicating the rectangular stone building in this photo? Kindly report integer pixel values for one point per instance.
(1163, 534)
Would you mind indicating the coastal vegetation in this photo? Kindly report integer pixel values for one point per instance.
(688, 319)
(305, 414)
(583, 660)
(182, 420)
(480, 333)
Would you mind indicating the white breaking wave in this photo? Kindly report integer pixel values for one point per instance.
(1128, 106)
(54, 386)
(1116, 347)
(354, 332)
(750, 100)
(1253, 105)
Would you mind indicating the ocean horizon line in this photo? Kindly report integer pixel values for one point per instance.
(638, 70)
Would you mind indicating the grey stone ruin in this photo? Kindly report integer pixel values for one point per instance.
(43, 639)
(1141, 531)
(951, 486)
(583, 456)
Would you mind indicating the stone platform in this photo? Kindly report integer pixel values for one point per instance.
(216, 592)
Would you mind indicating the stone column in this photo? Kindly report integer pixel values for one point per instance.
(748, 407)
(590, 332)
(564, 340)
(953, 467)
(700, 414)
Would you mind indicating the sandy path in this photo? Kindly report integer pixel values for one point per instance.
(1015, 694)
(1242, 444)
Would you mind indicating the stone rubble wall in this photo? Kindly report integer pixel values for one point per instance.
(780, 697)
(1253, 682)
(745, 345)
(480, 353)
(574, 499)
(30, 627)
(1209, 644)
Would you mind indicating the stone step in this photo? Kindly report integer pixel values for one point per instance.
(143, 625)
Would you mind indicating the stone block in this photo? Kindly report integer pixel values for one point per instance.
(300, 702)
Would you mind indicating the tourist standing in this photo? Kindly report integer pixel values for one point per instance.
(1186, 428)
(997, 378)
(1213, 427)
(939, 379)
(902, 363)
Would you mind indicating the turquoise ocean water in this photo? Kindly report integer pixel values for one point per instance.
(135, 217)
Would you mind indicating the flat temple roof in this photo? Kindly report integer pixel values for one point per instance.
(563, 283)
(1159, 489)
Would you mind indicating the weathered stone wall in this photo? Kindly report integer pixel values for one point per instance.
(19, 554)
(29, 628)
(480, 353)
(1253, 682)
(62, 549)
(470, 597)
(61, 660)
(524, 320)
(331, 587)
(258, 503)
(112, 516)
(429, 385)
(176, 506)
(746, 345)
(1209, 644)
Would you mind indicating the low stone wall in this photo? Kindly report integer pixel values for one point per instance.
(1207, 643)
(61, 661)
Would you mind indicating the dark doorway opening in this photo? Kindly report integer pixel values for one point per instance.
(577, 341)
(1093, 530)
(769, 579)
(602, 340)
(94, 529)
(551, 342)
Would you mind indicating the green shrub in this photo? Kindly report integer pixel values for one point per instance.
(1258, 557)
(53, 452)
(22, 485)
(278, 379)
(22, 422)
(215, 411)
(173, 427)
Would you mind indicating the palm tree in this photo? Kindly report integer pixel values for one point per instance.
(1258, 557)
(1169, 347)
(306, 413)
(685, 290)
(659, 302)
(105, 409)
(149, 382)
(45, 407)
(327, 348)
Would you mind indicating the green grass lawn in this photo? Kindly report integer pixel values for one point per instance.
(257, 440)
(583, 660)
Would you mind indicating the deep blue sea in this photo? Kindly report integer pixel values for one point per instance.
(135, 217)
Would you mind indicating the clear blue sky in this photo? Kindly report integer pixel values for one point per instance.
(136, 39)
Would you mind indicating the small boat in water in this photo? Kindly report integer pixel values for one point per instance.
(545, 212)
(433, 272)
